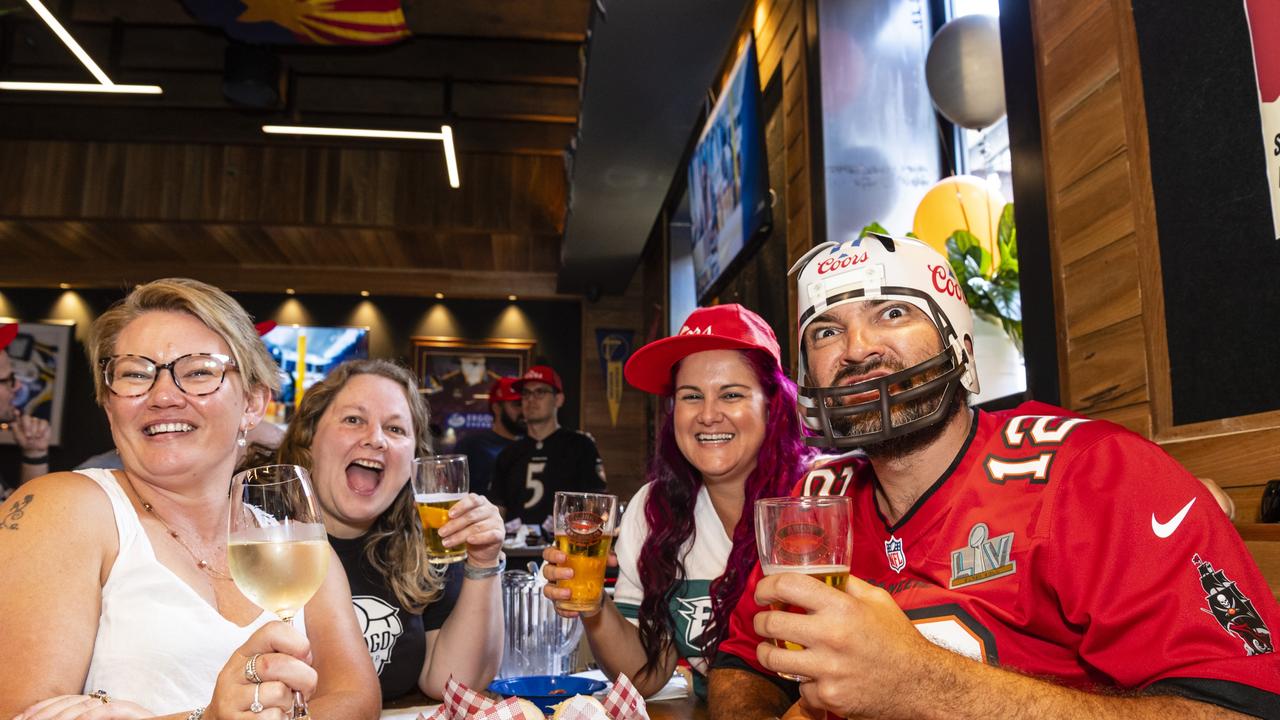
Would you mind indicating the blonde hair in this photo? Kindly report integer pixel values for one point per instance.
(394, 545)
(206, 303)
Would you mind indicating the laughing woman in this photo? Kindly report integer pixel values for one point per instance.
(119, 603)
(358, 432)
(687, 540)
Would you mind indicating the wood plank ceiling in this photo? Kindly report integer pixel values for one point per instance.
(102, 190)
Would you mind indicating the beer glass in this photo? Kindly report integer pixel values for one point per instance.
(584, 524)
(277, 547)
(806, 535)
(439, 482)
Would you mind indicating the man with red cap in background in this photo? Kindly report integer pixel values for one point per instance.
(531, 470)
(482, 447)
(31, 434)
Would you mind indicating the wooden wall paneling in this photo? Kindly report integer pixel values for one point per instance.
(1134, 417)
(1144, 210)
(1082, 61)
(1105, 369)
(1086, 135)
(1238, 459)
(624, 457)
(1058, 19)
(1102, 289)
(1092, 213)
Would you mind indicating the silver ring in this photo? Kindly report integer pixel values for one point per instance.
(256, 707)
(251, 670)
(100, 695)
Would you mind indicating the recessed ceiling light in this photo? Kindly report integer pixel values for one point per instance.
(364, 293)
(512, 298)
(439, 296)
(290, 291)
(65, 286)
(445, 136)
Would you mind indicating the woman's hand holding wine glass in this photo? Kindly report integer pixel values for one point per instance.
(279, 555)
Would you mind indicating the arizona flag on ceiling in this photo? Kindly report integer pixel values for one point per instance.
(317, 22)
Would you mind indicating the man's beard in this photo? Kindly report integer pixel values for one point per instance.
(870, 422)
(513, 426)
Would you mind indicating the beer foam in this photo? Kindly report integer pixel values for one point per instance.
(437, 497)
(770, 569)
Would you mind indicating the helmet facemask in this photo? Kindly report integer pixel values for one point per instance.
(931, 386)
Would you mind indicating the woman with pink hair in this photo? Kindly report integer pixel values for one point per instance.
(687, 542)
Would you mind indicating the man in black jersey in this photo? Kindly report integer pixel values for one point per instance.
(548, 459)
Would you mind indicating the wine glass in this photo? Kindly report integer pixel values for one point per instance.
(806, 535)
(277, 547)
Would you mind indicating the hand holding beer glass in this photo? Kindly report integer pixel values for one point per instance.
(584, 526)
(806, 535)
(439, 482)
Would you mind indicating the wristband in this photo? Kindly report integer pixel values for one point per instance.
(471, 572)
(38, 460)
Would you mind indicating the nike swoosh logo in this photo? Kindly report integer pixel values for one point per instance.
(1164, 530)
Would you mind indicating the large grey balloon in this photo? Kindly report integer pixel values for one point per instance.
(965, 72)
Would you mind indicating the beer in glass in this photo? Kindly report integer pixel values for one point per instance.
(584, 524)
(439, 482)
(804, 535)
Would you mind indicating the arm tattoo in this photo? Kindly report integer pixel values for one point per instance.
(9, 521)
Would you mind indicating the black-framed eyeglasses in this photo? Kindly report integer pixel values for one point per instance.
(197, 374)
(11, 380)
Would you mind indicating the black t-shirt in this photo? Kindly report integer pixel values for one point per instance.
(482, 449)
(530, 472)
(396, 638)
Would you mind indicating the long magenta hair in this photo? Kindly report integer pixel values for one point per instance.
(781, 461)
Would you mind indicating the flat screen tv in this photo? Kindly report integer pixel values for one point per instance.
(322, 349)
(729, 201)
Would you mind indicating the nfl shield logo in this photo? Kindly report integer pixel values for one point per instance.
(893, 551)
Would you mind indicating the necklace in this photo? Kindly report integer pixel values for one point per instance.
(200, 563)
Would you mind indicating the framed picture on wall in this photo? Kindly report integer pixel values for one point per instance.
(454, 375)
(39, 355)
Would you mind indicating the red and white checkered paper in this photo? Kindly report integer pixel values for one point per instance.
(623, 702)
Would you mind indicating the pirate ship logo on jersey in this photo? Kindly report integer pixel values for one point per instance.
(584, 528)
(1232, 609)
(893, 551)
(800, 543)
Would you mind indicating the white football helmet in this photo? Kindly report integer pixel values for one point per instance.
(881, 267)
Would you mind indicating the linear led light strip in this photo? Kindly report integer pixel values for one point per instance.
(445, 136)
(104, 84)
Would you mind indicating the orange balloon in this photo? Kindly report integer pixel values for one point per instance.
(960, 202)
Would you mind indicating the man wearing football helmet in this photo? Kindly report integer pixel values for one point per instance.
(1026, 563)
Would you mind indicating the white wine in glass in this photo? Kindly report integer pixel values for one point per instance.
(277, 547)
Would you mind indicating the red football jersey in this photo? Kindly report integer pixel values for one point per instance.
(1068, 548)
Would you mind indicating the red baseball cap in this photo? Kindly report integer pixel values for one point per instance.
(721, 327)
(502, 391)
(265, 327)
(539, 373)
(8, 332)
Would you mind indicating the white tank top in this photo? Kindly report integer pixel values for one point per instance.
(159, 644)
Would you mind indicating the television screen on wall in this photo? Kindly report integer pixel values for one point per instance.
(321, 349)
(729, 201)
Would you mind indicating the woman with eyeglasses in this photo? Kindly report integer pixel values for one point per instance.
(120, 600)
(358, 431)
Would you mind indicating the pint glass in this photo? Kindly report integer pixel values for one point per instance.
(584, 525)
(439, 482)
(805, 535)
